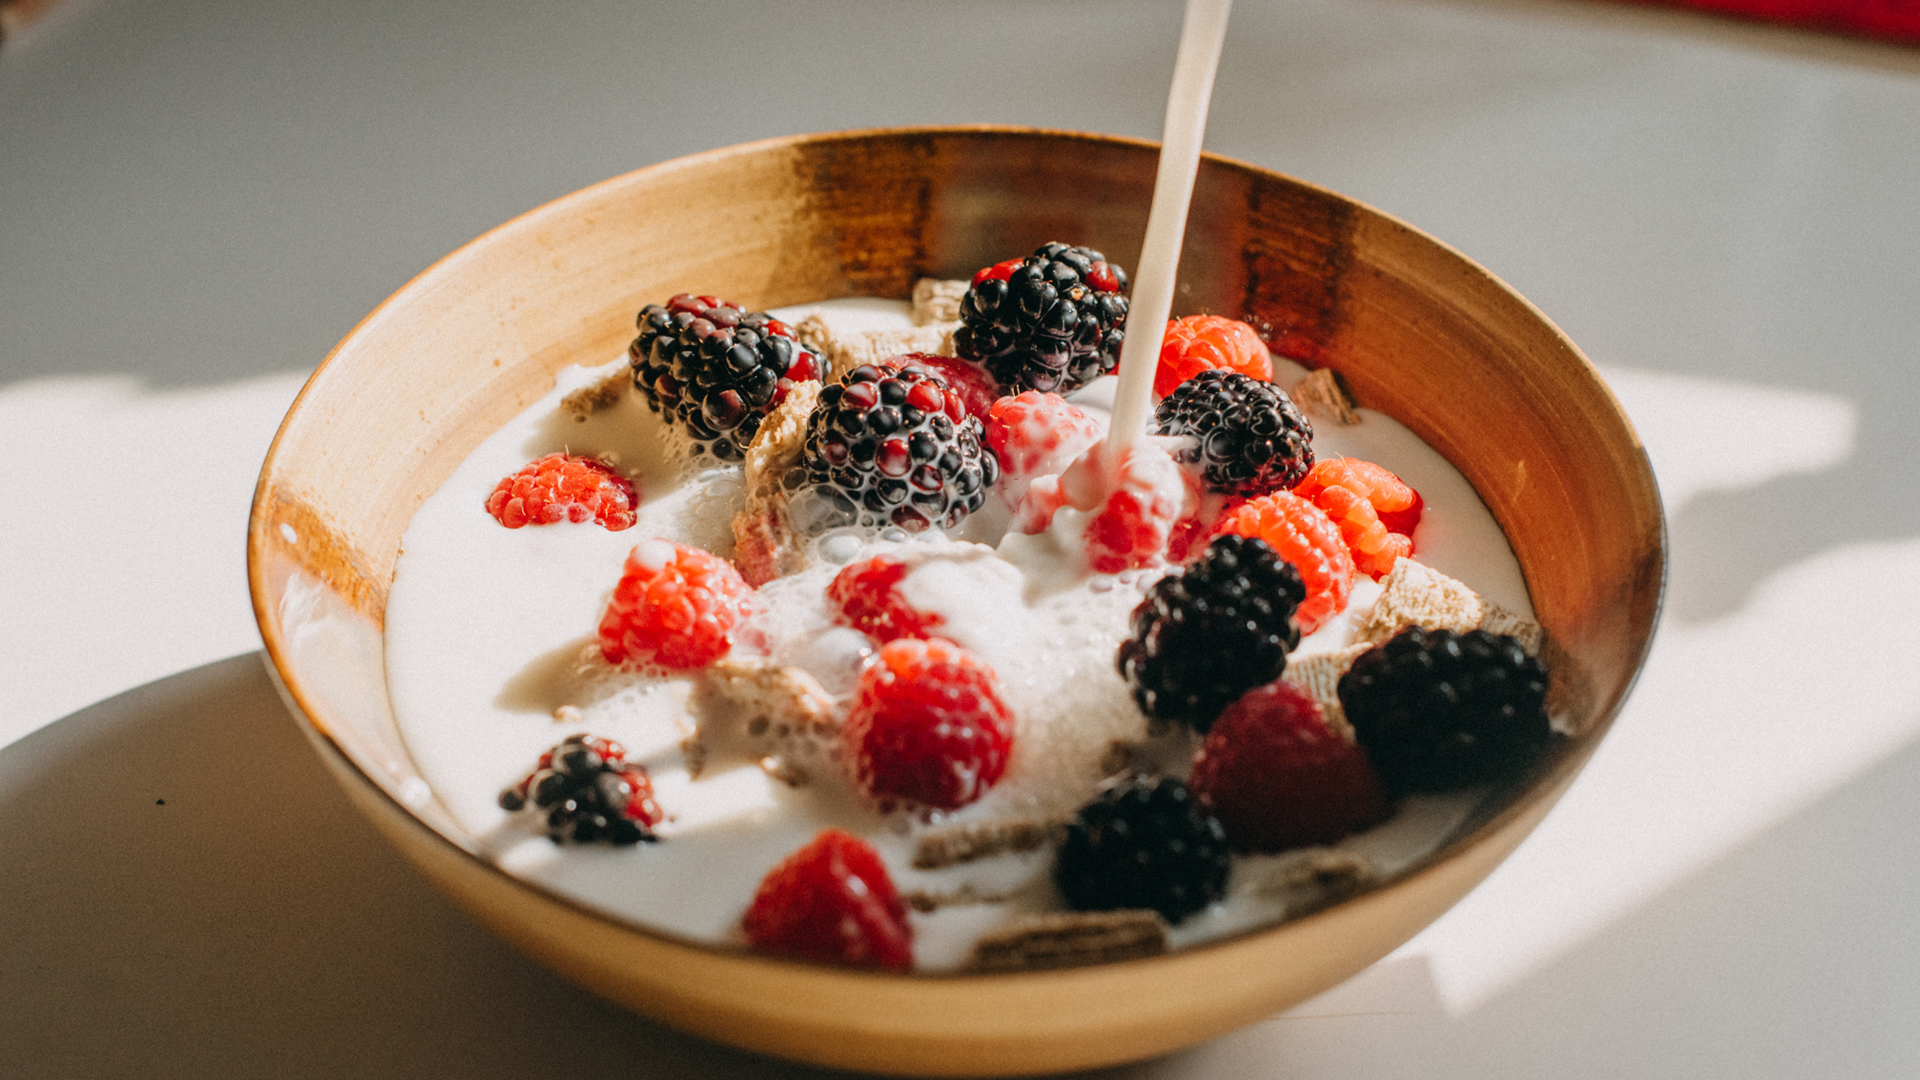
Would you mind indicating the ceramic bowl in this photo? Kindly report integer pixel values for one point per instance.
(1415, 329)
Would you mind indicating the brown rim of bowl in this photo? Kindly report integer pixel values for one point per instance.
(1546, 780)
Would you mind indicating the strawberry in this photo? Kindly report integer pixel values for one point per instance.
(867, 597)
(1036, 434)
(676, 607)
(1278, 777)
(564, 487)
(1200, 343)
(1302, 534)
(927, 726)
(832, 901)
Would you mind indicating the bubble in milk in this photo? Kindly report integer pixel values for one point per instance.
(839, 547)
(833, 656)
(814, 510)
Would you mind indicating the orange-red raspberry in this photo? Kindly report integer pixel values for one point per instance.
(1200, 343)
(1360, 497)
(1278, 777)
(1302, 534)
(564, 487)
(866, 596)
(927, 726)
(676, 607)
(834, 902)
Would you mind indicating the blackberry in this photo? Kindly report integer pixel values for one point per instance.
(892, 447)
(1210, 633)
(590, 793)
(1050, 322)
(1143, 844)
(716, 369)
(1253, 440)
(1437, 711)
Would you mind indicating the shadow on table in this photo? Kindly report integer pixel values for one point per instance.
(187, 894)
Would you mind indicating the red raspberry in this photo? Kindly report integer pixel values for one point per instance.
(927, 726)
(564, 487)
(1200, 343)
(676, 607)
(832, 901)
(1034, 512)
(867, 595)
(1358, 495)
(1302, 534)
(1278, 777)
(1037, 434)
(1136, 509)
(976, 388)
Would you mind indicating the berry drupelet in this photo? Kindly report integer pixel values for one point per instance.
(1052, 321)
(1252, 439)
(1144, 843)
(716, 369)
(896, 447)
(590, 794)
(1438, 710)
(1206, 635)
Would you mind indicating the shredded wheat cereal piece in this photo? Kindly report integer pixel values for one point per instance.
(1319, 675)
(926, 900)
(1416, 594)
(1316, 878)
(937, 301)
(844, 352)
(779, 717)
(1070, 938)
(978, 840)
(593, 397)
(763, 547)
(1323, 394)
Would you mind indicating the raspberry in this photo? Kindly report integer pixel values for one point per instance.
(676, 607)
(1438, 710)
(1132, 529)
(1302, 534)
(1278, 777)
(564, 487)
(1143, 844)
(976, 388)
(1134, 504)
(590, 793)
(1251, 437)
(716, 369)
(1035, 434)
(832, 901)
(867, 596)
(1356, 494)
(927, 726)
(1211, 632)
(896, 447)
(1200, 343)
(1052, 321)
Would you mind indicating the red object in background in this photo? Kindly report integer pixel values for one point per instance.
(1894, 20)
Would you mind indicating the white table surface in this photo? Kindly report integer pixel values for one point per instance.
(198, 198)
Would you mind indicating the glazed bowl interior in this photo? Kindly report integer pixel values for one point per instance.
(1415, 330)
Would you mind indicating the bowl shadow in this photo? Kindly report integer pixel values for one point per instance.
(186, 895)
